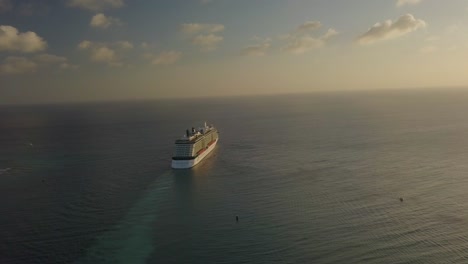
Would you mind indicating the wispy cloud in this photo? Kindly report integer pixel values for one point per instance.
(12, 40)
(302, 39)
(206, 36)
(401, 3)
(102, 21)
(96, 5)
(108, 53)
(167, 58)
(194, 28)
(257, 50)
(391, 30)
(428, 49)
(207, 42)
(49, 59)
(309, 26)
(17, 65)
(124, 44)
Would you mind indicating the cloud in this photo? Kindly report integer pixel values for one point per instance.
(432, 38)
(12, 40)
(309, 26)
(17, 65)
(21, 65)
(207, 35)
(204, 2)
(167, 58)
(85, 44)
(256, 50)
(428, 49)
(301, 41)
(194, 28)
(124, 44)
(303, 44)
(401, 3)
(49, 59)
(103, 54)
(96, 5)
(5, 6)
(207, 42)
(66, 66)
(108, 53)
(102, 21)
(391, 30)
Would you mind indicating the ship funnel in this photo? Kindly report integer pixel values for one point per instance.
(187, 133)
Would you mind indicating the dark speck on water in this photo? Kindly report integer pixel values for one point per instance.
(313, 176)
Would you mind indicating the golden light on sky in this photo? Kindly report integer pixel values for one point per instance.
(79, 50)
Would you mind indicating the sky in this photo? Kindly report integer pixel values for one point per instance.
(88, 50)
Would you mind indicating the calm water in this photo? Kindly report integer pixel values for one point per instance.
(314, 179)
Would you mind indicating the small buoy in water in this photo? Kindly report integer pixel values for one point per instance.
(401, 199)
(237, 218)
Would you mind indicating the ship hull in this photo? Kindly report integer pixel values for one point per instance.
(187, 164)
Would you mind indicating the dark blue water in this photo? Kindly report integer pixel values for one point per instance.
(313, 178)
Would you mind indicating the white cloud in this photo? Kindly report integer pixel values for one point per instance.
(167, 57)
(109, 53)
(303, 44)
(5, 6)
(102, 21)
(66, 66)
(391, 30)
(193, 28)
(96, 5)
(256, 50)
(309, 26)
(432, 38)
(49, 59)
(401, 3)
(20, 65)
(301, 41)
(12, 40)
(207, 42)
(103, 54)
(124, 45)
(207, 35)
(85, 44)
(428, 49)
(17, 65)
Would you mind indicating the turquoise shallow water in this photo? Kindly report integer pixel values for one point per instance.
(314, 179)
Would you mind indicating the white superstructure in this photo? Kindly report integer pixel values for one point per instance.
(194, 146)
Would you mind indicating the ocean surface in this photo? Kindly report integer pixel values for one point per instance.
(314, 178)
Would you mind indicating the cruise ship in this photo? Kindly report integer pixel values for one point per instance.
(194, 146)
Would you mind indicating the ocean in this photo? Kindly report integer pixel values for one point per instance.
(314, 178)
